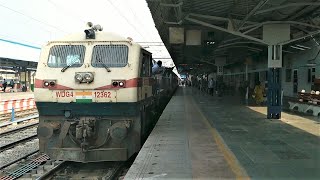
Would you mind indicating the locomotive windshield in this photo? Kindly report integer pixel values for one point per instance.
(61, 56)
(110, 56)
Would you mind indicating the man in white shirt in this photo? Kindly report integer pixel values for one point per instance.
(156, 68)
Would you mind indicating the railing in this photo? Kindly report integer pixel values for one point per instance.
(306, 103)
(16, 105)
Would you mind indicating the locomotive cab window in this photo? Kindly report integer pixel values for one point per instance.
(110, 56)
(66, 55)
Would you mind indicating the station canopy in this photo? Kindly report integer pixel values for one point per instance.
(22, 56)
(199, 31)
(16, 65)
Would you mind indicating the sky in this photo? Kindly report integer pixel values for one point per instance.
(26, 25)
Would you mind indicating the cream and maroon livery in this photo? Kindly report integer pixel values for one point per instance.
(107, 118)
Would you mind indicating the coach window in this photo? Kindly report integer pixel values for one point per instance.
(288, 75)
(115, 55)
(66, 55)
(311, 75)
(295, 80)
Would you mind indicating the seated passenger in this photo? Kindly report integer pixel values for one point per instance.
(156, 69)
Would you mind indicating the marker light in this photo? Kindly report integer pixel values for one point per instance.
(46, 83)
(121, 84)
(52, 83)
(118, 83)
(115, 84)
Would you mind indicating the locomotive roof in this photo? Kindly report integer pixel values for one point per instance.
(100, 36)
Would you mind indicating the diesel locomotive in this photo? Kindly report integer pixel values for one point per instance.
(97, 97)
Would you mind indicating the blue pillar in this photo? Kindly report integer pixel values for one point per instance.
(275, 35)
(12, 114)
(274, 94)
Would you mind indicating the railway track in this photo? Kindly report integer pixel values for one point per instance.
(41, 167)
(19, 114)
(11, 125)
(18, 153)
(11, 138)
(18, 142)
(23, 169)
(73, 170)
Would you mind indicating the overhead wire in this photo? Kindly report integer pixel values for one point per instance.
(136, 17)
(7, 37)
(32, 18)
(70, 14)
(127, 20)
(120, 13)
(163, 52)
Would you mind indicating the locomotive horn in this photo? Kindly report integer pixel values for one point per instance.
(90, 34)
(97, 27)
(89, 24)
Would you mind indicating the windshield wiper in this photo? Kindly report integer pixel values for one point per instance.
(66, 67)
(105, 66)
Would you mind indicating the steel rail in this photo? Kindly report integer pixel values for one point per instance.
(19, 129)
(19, 159)
(32, 164)
(19, 120)
(11, 145)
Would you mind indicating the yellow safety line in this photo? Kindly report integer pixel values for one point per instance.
(232, 161)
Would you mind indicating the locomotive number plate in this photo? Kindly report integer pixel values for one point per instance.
(62, 94)
(103, 96)
(85, 96)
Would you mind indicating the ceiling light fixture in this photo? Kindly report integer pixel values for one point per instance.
(305, 47)
(297, 48)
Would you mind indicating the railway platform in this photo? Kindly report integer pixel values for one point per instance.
(15, 95)
(204, 137)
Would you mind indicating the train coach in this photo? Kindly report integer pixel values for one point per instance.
(97, 97)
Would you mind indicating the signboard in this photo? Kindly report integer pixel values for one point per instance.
(176, 35)
(193, 37)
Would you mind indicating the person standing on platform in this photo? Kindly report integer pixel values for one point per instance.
(210, 87)
(200, 85)
(258, 93)
(242, 92)
(11, 83)
(4, 85)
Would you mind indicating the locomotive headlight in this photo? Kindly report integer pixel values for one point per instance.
(121, 84)
(78, 77)
(88, 77)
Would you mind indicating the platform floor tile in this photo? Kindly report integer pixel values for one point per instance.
(180, 147)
